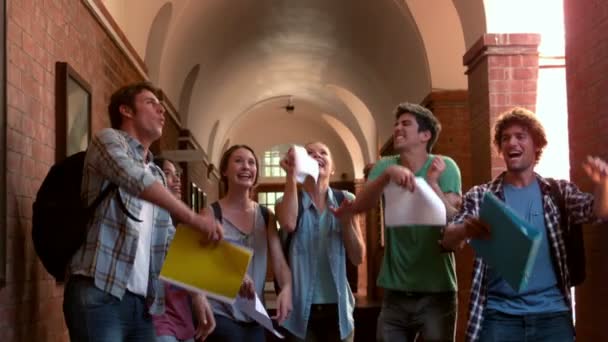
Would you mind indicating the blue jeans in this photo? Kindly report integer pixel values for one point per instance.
(407, 315)
(545, 327)
(228, 330)
(93, 315)
(323, 325)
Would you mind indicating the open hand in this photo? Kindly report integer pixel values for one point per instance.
(284, 305)
(596, 169)
(204, 317)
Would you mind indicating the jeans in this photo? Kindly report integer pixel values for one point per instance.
(93, 315)
(544, 327)
(167, 338)
(407, 315)
(228, 330)
(323, 325)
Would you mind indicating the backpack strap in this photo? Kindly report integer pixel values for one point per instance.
(102, 196)
(217, 211)
(265, 214)
(111, 187)
(123, 207)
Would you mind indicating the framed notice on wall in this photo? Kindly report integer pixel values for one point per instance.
(73, 110)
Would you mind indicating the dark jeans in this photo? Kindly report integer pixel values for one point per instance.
(93, 315)
(228, 330)
(407, 315)
(546, 327)
(323, 325)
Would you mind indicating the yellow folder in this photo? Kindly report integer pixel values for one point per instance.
(216, 270)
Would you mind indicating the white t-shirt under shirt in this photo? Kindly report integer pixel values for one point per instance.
(138, 281)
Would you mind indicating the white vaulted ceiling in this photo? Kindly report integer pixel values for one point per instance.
(231, 65)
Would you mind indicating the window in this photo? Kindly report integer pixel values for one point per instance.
(269, 199)
(198, 198)
(271, 166)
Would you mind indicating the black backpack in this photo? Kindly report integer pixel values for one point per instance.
(573, 238)
(60, 219)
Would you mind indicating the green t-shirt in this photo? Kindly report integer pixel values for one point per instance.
(412, 259)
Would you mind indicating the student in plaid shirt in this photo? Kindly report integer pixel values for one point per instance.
(543, 311)
(113, 284)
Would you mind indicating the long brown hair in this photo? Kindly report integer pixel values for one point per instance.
(224, 164)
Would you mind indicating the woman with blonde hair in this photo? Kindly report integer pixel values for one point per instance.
(319, 244)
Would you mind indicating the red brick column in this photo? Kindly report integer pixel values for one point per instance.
(451, 107)
(502, 71)
(587, 80)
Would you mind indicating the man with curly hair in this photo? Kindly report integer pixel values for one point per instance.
(542, 311)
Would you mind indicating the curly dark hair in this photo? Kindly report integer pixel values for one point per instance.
(425, 119)
(525, 118)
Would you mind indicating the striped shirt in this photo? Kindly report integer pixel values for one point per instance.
(579, 206)
(108, 254)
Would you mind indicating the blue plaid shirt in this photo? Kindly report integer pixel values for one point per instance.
(579, 206)
(109, 251)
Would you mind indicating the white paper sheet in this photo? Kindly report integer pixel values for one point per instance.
(255, 309)
(305, 165)
(421, 207)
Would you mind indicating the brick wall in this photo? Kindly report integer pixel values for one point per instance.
(452, 109)
(40, 33)
(502, 72)
(587, 79)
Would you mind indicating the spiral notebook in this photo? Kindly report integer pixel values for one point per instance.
(216, 270)
(513, 244)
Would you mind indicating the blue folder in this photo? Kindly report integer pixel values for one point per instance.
(513, 245)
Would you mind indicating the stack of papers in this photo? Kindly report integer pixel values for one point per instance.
(305, 165)
(255, 309)
(513, 245)
(420, 207)
(216, 270)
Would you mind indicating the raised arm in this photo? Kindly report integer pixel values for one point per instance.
(109, 157)
(353, 239)
(287, 209)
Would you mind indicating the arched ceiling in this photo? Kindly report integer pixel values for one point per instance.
(350, 60)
